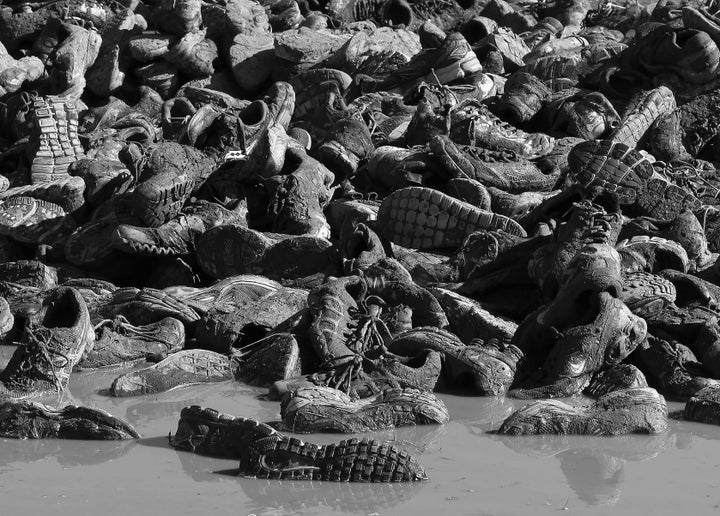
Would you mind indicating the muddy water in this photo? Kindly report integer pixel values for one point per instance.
(471, 471)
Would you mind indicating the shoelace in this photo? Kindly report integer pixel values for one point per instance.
(40, 358)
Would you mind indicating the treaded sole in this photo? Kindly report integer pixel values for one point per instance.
(423, 218)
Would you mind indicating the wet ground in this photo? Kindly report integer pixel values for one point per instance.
(471, 471)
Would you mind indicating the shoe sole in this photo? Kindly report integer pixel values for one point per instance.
(423, 218)
(58, 144)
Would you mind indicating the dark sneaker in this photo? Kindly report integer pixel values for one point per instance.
(265, 453)
(169, 177)
(120, 343)
(52, 346)
(470, 161)
(298, 197)
(237, 131)
(664, 367)
(691, 53)
(176, 237)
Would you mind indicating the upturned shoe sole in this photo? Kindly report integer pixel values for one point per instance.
(423, 218)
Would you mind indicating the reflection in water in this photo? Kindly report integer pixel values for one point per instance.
(294, 497)
(146, 411)
(487, 415)
(68, 453)
(593, 466)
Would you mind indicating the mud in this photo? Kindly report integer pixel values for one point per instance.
(471, 471)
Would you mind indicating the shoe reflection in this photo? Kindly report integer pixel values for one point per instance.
(593, 466)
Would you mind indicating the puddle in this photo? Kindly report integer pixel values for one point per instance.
(471, 471)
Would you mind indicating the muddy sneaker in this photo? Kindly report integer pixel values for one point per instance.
(523, 98)
(470, 161)
(52, 346)
(349, 145)
(691, 53)
(189, 367)
(55, 138)
(237, 131)
(171, 173)
(229, 250)
(453, 60)
(30, 420)
(297, 198)
(664, 367)
(324, 409)
(265, 453)
(33, 221)
(121, 343)
(177, 236)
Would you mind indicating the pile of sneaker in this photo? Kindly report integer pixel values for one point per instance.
(511, 198)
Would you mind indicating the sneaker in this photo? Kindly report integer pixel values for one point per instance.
(171, 173)
(67, 192)
(523, 98)
(278, 359)
(229, 250)
(611, 165)
(175, 114)
(52, 345)
(76, 52)
(617, 377)
(347, 147)
(691, 53)
(55, 138)
(39, 222)
(579, 353)
(423, 218)
(193, 54)
(30, 420)
(453, 60)
(391, 168)
(240, 129)
(324, 409)
(102, 180)
(644, 108)
(298, 197)
(663, 366)
(120, 343)
(177, 236)
(472, 162)
(265, 453)
(646, 293)
(189, 367)
(703, 407)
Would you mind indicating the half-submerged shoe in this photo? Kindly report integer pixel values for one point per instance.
(52, 346)
(264, 452)
(324, 409)
(188, 367)
(30, 420)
